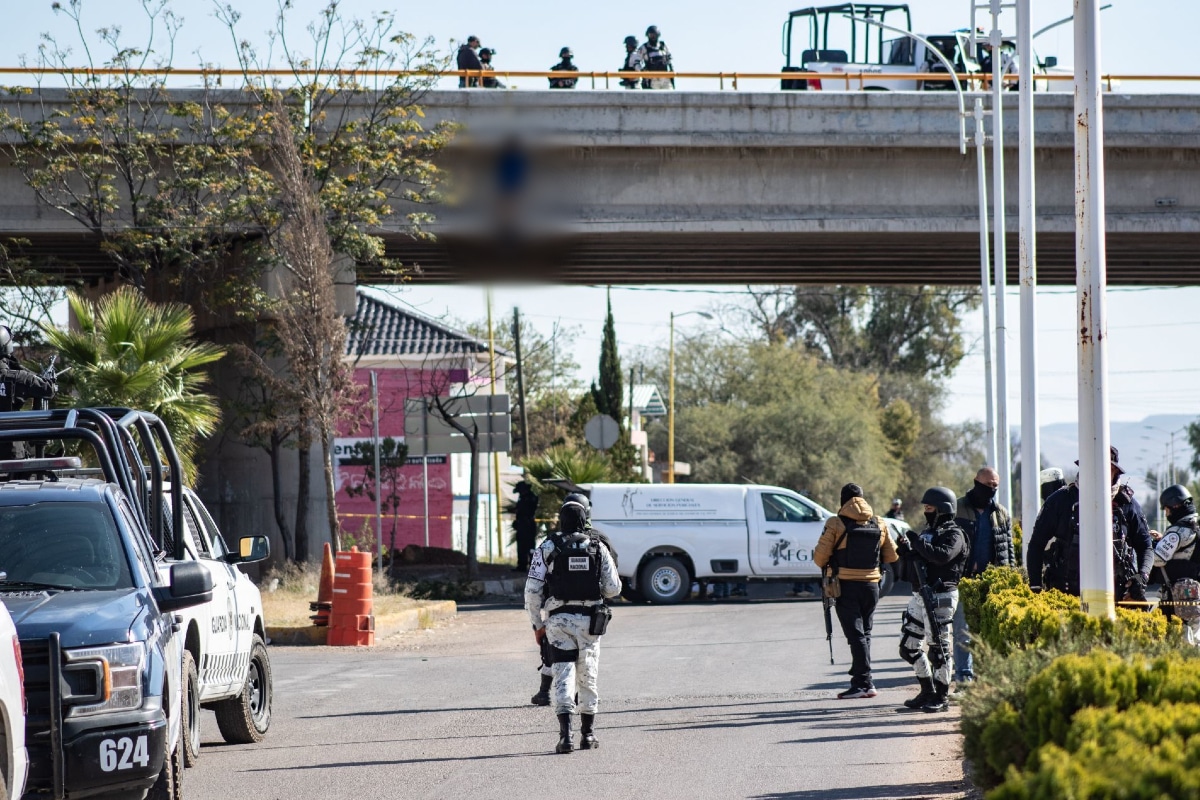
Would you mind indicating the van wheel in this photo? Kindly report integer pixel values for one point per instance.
(191, 711)
(665, 580)
(245, 719)
(887, 581)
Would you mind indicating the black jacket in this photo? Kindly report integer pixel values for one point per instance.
(468, 59)
(1059, 522)
(1003, 553)
(944, 550)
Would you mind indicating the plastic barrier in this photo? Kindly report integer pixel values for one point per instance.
(352, 622)
(324, 604)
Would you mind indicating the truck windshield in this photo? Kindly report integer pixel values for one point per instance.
(67, 545)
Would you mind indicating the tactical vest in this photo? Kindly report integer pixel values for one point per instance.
(656, 59)
(1178, 568)
(1064, 572)
(574, 569)
(862, 545)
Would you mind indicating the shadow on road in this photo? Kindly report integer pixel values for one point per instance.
(400, 762)
(908, 791)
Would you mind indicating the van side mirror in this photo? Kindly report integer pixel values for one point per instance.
(250, 549)
(1050, 63)
(191, 585)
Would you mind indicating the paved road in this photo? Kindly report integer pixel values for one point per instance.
(701, 700)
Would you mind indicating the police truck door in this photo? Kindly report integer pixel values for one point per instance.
(783, 533)
(217, 669)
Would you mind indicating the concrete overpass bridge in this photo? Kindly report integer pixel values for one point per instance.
(798, 187)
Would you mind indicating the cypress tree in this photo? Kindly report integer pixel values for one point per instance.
(610, 393)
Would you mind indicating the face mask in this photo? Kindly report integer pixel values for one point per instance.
(983, 491)
(931, 518)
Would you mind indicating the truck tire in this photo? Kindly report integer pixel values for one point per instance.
(887, 581)
(169, 785)
(191, 711)
(665, 580)
(245, 719)
(3, 788)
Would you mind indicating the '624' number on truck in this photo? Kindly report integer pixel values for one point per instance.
(124, 753)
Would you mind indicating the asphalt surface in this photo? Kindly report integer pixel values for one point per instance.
(704, 699)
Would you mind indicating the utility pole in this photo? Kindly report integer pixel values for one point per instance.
(1000, 257)
(521, 383)
(1027, 254)
(1091, 317)
(985, 279)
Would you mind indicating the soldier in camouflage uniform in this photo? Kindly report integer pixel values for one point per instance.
(570, 576)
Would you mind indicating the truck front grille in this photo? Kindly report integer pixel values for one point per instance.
(35, 655)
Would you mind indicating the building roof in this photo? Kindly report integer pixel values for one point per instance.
(381, 327)
(647, 401)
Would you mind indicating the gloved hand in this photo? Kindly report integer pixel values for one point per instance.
(539, 635)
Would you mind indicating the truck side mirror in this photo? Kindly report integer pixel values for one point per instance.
(250, 549)
(191, 585)
(1050, 63)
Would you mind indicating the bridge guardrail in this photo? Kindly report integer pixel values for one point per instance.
(849, 81)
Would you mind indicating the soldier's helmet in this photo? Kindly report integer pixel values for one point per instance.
(941, 498)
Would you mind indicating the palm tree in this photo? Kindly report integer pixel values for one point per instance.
(133, 353)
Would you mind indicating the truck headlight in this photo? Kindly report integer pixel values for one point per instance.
(102, 679)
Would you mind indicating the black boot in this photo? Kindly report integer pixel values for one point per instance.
(564, 734)
(938, 701)
(542, 698)
(921, 699)
(587, 741)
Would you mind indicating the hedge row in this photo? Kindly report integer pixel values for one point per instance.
(1067, 706)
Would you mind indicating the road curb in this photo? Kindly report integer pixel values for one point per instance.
(410, 619)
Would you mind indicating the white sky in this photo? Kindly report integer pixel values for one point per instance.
(1150, 331)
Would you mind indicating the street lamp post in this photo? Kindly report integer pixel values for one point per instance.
(671, 393)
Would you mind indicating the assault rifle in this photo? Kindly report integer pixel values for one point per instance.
(935, 627)
(827, 604)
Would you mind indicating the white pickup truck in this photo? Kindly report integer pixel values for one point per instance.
(668, 535)
(12, 711)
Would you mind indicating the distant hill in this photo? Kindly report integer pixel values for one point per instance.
(1142, 445)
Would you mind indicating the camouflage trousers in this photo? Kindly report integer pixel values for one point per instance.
(918, 646)
(570, 632)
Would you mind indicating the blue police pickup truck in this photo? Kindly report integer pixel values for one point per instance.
(95, 616)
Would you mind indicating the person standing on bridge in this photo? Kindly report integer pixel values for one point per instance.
(485, 59)
(933, 563)
(469, 59)
(564, 65)
(852, 546)
(988, 527)
(655, 57)
(570, 577)
(632, 62)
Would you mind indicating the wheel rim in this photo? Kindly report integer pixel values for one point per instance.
(260, 701)
(666, 581)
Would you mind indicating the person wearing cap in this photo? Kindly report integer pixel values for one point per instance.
(570, 577)
(564, 65)
(1177, 554)
(897, 510)
(853, 546)
(655, 57)
(485, 60)
(468, 58)
(1051, 480)
(988, 527)
(936, 556)
(1057, 526)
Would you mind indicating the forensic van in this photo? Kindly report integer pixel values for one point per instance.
(668, 535)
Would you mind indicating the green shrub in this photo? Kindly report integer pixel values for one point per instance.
(1143, 752)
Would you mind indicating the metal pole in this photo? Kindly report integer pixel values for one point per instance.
(985, 280)
(1027, 255)
(671, 404)
(521, 382)
(378, 479)
(494, 505)
(425, 486)
(1091, 317)
(999, 257)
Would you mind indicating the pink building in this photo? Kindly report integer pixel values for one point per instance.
(413, 356)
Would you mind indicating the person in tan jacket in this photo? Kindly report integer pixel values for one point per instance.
(853, 546)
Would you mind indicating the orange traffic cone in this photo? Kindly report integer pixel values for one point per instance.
(324, 604)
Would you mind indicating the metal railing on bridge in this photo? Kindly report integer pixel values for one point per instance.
(600, 80)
